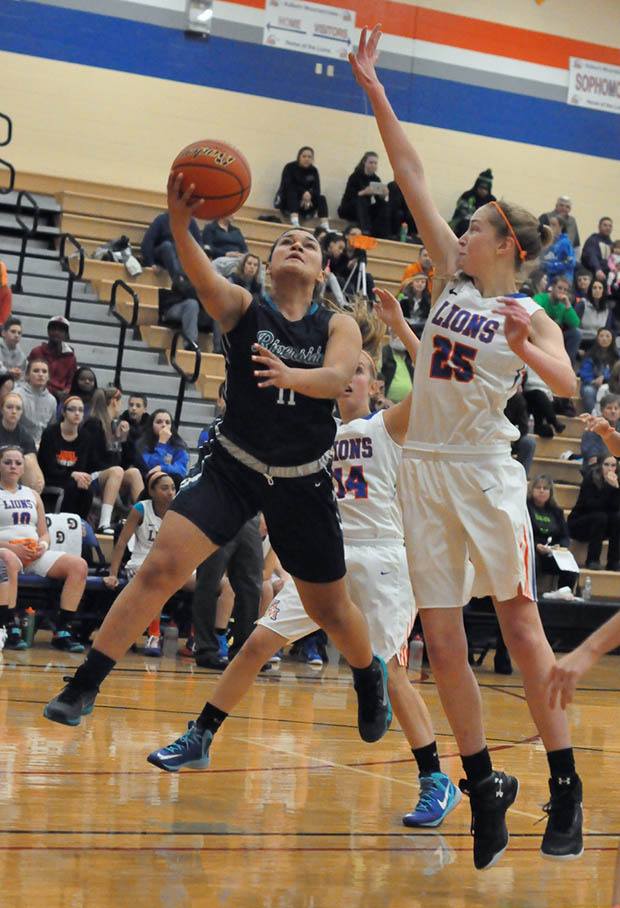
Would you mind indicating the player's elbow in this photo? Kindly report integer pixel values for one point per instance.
(566, 385)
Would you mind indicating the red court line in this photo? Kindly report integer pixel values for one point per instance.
(409, 21)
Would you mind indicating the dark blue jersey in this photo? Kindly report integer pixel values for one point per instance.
(278, 426)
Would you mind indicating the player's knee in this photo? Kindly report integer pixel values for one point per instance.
(12, 564)
(258, 647)
(520, 638)
(116, 473)
(161, 571)
(78, 569)
(446, 653)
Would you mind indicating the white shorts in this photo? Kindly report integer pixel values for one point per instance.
(378, 582)
(467, 529)
(43, 565)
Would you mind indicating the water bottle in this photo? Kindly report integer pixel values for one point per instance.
(586, 595)
(402, 236)
(416, 651)
(171, 641)
(28, 625)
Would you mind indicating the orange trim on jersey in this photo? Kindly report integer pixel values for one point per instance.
(529, 588)
(408, 21)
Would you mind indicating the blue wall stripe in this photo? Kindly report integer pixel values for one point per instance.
(136, 47)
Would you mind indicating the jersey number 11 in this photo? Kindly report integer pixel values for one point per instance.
(281, 397)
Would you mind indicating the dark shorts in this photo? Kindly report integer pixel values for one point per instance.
(301, 514)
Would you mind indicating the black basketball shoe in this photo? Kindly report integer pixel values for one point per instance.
(563, 839)
(374, 710)
(489, 800)
(71, 704)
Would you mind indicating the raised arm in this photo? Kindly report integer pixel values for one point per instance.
(406, 163)
(329, 380)
(224, 302)
(396, 418)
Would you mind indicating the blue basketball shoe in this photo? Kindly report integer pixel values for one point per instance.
(190, 751)
(438, 796)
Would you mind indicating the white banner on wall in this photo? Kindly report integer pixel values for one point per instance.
(309, 28)
(594, 85)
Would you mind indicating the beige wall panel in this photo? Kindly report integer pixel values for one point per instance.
(116, 128)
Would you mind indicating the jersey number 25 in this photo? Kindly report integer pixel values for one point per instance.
(452, 360)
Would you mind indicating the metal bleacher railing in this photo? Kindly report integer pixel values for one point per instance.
(9, 135)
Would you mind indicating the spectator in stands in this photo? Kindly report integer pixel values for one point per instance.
(299, 193)
(206, 433)
(158, 247)
(30, 542)
(66, 459)
(613, 276)
(397, 369)
(161, 446)
(39, 404)
(596, 515)
(597, 249)
(6, 385)
(400, 214)
(59, 356)
(346, 268)
(596, 368)
(181, 305)
(424, 265)
(593, 446)
(247, 274)
(415, 301)
(471, 200)
(107, 433)
(365, 198)
(222, 238)
(535, 282)
(13, 433)
(549, 529)
(596, 313)
(12, 356)
(559, 257)
(581, 285)
(335, 260)
(562, 209)
(557, 304)
(378, 399)
(137, 417)
(539, 400)
(524, 447)
(6, 295)
(84, 385)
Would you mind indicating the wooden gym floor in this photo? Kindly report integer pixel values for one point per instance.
(295, 811)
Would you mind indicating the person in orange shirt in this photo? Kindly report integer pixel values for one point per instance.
(424, 265)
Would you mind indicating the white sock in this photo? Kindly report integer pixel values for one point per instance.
(106, 515)
(295, 220)
(325, 223)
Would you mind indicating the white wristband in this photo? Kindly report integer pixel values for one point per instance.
(44, 544)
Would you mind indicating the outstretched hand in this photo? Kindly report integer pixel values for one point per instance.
(272, 372)
(181, 203)
(388, 308)
(364, 60)
(565, 676)
(517, 324)
(597, 424)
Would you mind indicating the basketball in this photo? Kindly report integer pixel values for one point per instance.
(221, 176)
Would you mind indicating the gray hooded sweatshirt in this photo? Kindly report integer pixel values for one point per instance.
(39, 409)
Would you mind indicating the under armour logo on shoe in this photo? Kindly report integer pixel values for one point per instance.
(565, 781)
(500, 791)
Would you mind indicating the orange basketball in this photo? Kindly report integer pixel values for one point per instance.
(220, 173)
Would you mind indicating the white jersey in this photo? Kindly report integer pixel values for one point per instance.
(365, 466)
(145, 534)
(464, 375)
(18, 514)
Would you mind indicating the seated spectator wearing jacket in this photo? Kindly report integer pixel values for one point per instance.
(613, 276)
(593, 447)
(549, 529)
(597, 249)
(539, 400)
(596, 367)
(299, 193)
(65, 457)
(13, 433)
(158, 246)
(397, 369)
(415, 301)
(162, 447)
(346, 267)
(596, 313)
(424, 265)
(471, 200)
(39, 404)
(222, 238)
(137, 417)
(247, 274)
(84, 385)
(107, 433)
(559, 257)
(581, 284)
(563, 208)
(365, 198)
(524, 448)
(399, 213)
(59, 356)
(558, 306)
(12, 357)
(596, 515)
(535, 282)
(181, 304)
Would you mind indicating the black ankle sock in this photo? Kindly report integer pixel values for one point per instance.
(477, 766)
(93, 671)
(366, 675)
(562, 764)
(4, 615)
(62, 618)
(427, 758)
(210, 718)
